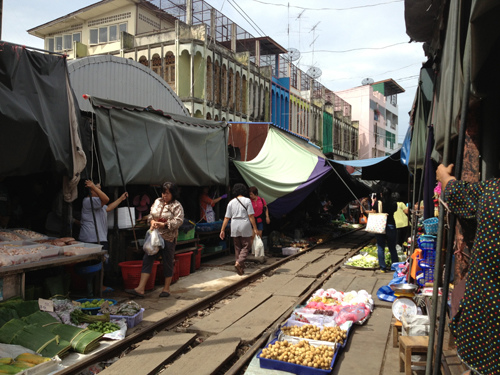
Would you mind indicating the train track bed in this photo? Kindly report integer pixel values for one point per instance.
(216, 321)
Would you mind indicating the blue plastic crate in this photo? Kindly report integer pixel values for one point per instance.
(427, 276)
(428, 258)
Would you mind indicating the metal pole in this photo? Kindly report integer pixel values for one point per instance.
(458, 172)
(1, 16)
(453, 35)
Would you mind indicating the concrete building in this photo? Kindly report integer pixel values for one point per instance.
(218, 70)
(375, 109)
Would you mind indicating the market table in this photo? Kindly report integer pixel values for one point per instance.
(45, 263)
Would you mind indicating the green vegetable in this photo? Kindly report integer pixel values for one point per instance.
(104, 327)
(363, 261)
(78, 317)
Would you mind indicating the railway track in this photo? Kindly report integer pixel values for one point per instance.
(237, 363)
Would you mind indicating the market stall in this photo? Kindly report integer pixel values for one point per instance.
(40, 155)
(315, 333)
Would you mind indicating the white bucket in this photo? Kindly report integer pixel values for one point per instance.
(123, 218)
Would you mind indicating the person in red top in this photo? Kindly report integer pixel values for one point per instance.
(207, 213)
(260, 208)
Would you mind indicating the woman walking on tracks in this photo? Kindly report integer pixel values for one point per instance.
(240, 212)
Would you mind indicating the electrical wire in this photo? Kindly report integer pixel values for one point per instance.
(336, 9)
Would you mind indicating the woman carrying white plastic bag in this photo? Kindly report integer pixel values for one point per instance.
(258, 247)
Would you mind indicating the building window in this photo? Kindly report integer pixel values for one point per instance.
(217, 83)
(144, 61)
(238, 92)
(156, 64)
(105, 34)
(93, 36)
(59, 43)
(230, 89)
(244, 96)
(224, 85)
(209, 79)
(169, 72)
(50, 45)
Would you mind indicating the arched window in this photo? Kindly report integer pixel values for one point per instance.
(230, 88)
(217, 83)
(169, 71)
(210, 79)
(144, 61)
(156, 64)
(238, 92)
(223, 90)
(209, 116)
(244, 95)
(255, 100)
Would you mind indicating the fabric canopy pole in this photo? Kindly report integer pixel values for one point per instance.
(450, 56)
(458, 172)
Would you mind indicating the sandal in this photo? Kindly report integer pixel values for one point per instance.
(239, 269)
(164, 294)
(134, 293)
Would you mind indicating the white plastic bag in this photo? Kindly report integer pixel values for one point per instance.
(153, 242)
(258, 247)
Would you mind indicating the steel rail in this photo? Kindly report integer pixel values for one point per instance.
(177, 318)
(249, 354)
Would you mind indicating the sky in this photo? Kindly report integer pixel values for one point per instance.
(348, 40)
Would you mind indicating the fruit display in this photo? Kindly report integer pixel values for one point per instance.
(93, 303)
(312, 332)
(302, 353)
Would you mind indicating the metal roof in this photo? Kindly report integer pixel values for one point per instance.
(122, 80)
(391, 87)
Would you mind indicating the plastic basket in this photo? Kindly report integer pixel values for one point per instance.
(131, 273)
(94, 310)
(184, 236)
(431, 225)
(427, 276)
(428, 258)
(133, 320)
(204, 227)
(426, 242)
(184, 260)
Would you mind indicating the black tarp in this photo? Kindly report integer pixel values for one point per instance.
(34, 113)
(144, 146)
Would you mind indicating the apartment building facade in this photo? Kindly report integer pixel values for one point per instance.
(219, 71)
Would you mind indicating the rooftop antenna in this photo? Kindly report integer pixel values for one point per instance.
(314, 39)
(298, 18)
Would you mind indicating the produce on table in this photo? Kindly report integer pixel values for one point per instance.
(363, 261)
(302, 354)
(129, 308)
(312, 332)
(78, 317)
(103, 327)
(20, 363)
(93, 303)
(32, 358)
